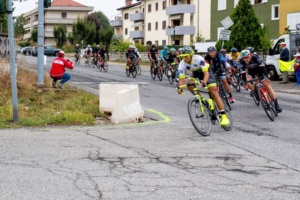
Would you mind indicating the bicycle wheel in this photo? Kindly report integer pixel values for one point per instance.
(86, 63)
(138, 69)
(134, 72)
(199, 117)
(235, 83)
(127, 72)
(224, 96)
(170, 76)
(99, 66)
(266, 105)
(152, 72)
(105, 66)
(159, 73)
(273, 108)
(256, 96)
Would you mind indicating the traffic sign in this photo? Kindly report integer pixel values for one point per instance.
(227, 22)
(224, 35)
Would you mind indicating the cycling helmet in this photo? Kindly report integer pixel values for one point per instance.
(245, 53)
(89, 46)
(234, 50)
(98, 46)
(172, 49)
(186, 51)
(223, 51)
(211, 48)
(77, 45)
(61, 54)
(131, 47)
(166, 48)
(153, 45)
(251, 49)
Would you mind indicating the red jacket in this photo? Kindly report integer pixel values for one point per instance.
(58, 67)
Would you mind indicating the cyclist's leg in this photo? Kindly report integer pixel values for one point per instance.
(223, 78)
(267, 84)
(249, 84)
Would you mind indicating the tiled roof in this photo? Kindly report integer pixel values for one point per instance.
(66, 3)
(129, 6)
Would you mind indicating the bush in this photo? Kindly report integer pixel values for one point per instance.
(24, 44)
(68, 48)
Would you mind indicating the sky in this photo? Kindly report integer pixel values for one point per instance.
(108, 7)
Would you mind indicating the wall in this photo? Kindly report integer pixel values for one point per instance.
(286, 7)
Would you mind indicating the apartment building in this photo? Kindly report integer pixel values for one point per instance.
(289, 14)
(265, 10)
(61, 12)
(163, 22)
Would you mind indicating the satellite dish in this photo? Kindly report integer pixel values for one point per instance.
(298, 26)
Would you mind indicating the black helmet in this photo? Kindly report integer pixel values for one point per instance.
(153, 45)
(211, 48)
(251, 49)
(223, 51)
(234, 50)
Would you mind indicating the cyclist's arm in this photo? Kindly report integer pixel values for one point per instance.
(181, 70)
(205, 68)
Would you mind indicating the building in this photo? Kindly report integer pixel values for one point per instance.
(61, 12)
(289, 14)
(163, 22)
(265, 10)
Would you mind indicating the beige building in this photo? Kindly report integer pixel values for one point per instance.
(163, 22)
(61, 12)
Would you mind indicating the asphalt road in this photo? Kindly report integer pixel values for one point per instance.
(161, 158)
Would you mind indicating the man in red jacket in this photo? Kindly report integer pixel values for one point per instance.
(57, 71)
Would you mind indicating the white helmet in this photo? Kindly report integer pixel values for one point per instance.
(98, 45)
(77, 45)
(89, 46)
(131, 46)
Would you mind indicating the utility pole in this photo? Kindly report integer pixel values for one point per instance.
(13, 71)
(40, 61)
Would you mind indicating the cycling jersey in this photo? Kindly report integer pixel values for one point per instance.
(137, 52)
(229, 60)
(88, 50)
(235, 56)
(163, 54)
(172, 58)
(96, 50)
(217, 64)
(77, 50)
(131, 54)
(152, 53)
(256, 66)
(102, 53)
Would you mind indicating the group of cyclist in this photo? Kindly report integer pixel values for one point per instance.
(98, 54)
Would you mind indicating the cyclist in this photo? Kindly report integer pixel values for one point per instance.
(87, 53)
(173, 57)
(152, 54)
(229, 62)
(77, 52)
(218, 66)
(95, 54)
(254, 66)
(138, 53)
(162, 55)
(102, 53)
(131, 56)
(234, 54)
(201, 70)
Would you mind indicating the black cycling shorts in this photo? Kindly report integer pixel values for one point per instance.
(199, 74)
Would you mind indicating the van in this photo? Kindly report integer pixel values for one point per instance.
(292, 41)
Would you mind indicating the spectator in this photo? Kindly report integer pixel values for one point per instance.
(284, 56)
(57, 71)
(297, 68)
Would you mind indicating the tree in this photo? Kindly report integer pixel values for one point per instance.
(246, 30)
(34, 35)
(199, 37)
(82, 30)
(120, 45)
(60, 35)
(19, 26)
(3, 18)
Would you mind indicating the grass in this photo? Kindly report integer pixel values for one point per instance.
(46, 106)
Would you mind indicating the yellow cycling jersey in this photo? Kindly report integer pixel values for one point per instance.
(235, 56)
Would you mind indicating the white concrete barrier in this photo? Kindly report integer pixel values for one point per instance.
(122, 101)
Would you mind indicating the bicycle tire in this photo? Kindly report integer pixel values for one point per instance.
(152, 72)
(235, 83)
(267, 108)
(170, 76)
(273, 108)
(224, 96)
(194, 106)
(134, 72)
(105, 66)
(127, 72)
(138, 69)
(159, 74)
(256, 96)
(98, 66)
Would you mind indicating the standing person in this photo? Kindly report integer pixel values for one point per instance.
(57, 71)
(297, 68)
(284, 56)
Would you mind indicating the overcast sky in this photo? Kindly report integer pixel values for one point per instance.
(108, 7)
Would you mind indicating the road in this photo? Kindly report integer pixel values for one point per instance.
(161, 158)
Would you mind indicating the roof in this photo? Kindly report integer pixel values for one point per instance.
(68, 3)
(129, 6)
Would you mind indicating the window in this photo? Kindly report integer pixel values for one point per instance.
(262, 25)
(64, 15)
(275, 12)
(164, 42)
(174, 2)
(156, 6)
(254, 2)
(164, 25)
(219, 31)
(126, 31)
(235, 3)
(222, 4)
(149, 26)
(149, 8)
(188, 2)
(164, 5)
(126, 16)
(156, 25)
(176, 22)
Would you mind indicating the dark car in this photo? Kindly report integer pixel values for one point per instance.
(34, 51)
(26, 51)
(48, 51)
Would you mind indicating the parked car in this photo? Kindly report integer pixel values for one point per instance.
(34, 51)
(48, 51)
(26, 50)
(19, 49)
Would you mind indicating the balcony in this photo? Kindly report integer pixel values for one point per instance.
(26, 26)
(137, 34)
(137, 17)
(181, 30)
(26, 36)
(49, 34)
(60, 21)
(181, 9)
(116, 23)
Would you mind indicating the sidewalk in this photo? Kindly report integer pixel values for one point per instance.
(286, 88)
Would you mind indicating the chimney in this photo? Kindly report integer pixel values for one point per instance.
(128, 2)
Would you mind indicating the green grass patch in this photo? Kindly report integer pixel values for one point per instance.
(46, 106)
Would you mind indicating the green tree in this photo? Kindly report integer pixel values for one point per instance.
(246, 30)
(82, 30)
(3, 18)
(60, 35)
(19, 26)
(120, 45)
(34, 35)
(199, 37)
